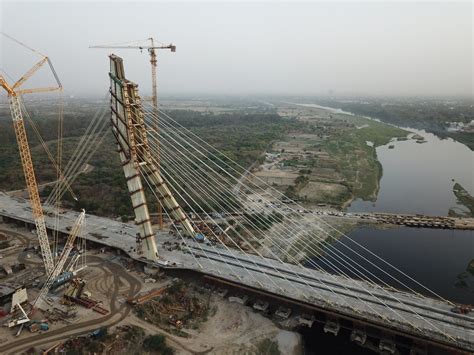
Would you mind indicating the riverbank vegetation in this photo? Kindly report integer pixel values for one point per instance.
(332, 158)
(464, 199)
(431, 114)
(354, 149)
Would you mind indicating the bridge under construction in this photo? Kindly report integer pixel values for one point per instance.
(236, 236)
(425, 321)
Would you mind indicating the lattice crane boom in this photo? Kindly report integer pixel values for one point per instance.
(15, 102)
(28, 170)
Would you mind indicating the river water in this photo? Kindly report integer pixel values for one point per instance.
(435, 258)
(417, 178)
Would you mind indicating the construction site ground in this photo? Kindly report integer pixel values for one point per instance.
(110, 279)
(232, 329)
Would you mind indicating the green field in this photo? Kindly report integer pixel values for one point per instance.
(357, 160)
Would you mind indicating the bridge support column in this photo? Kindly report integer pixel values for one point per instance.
(359, 336)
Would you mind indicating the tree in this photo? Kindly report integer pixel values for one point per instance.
(157, 343)
(154, 342)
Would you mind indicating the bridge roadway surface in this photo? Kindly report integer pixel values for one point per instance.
(410, 314)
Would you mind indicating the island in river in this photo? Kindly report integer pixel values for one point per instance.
(465, 199)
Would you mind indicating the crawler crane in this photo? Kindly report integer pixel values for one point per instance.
(58, 268)
(15, 93)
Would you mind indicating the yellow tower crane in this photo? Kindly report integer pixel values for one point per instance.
(153, 61)
(15, 93)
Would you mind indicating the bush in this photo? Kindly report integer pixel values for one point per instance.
(134, 333)
(157, 343)
(268, 347)
(154, 342)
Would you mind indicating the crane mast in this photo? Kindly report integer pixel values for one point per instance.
(153, 62)
(29, 172)
(15, 93)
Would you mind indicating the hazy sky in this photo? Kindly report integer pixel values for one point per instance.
(361, 48)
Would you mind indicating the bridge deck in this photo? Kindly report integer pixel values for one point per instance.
(422, 317)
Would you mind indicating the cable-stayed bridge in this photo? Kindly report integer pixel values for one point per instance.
(227, 223)
(366, 307)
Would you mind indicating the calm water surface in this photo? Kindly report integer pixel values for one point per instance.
(436, 258)
(418, 178)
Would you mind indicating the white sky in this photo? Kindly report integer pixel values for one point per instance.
(353, 48)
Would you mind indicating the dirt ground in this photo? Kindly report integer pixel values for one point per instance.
(230, 328)
(321, 190)
(233, 329)
(301, 154)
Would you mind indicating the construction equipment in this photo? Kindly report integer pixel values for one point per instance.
(462, 309)
(153, 61)
(88, 303)
(72, 263)
(75, 288)
(146, 297)
(20, 320)
(58, 268)
(15, 98)
(76, 294)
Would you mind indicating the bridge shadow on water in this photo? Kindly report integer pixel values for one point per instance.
(437, 258)
(317, 342)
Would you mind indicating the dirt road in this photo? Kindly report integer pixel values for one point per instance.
(116, 315)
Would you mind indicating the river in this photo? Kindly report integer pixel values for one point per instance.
(417, 178)
(436, 258)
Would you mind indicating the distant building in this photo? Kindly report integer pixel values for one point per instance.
(455, 126)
